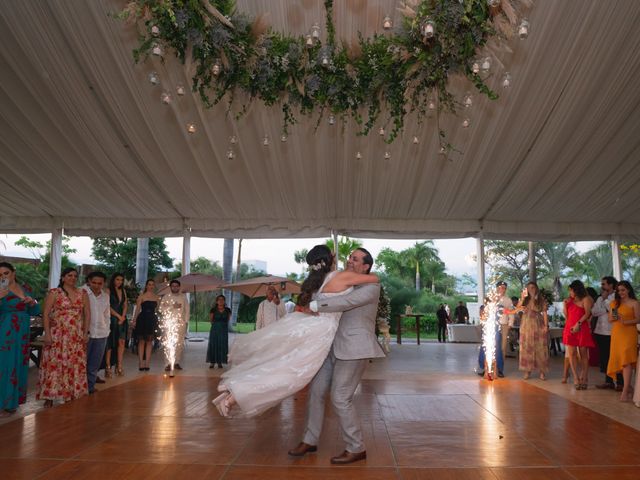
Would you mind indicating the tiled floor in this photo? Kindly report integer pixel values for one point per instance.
(424, 414)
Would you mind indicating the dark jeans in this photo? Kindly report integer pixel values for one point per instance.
(604, 350)
(499, 357)
(442, 332)
(95, 352)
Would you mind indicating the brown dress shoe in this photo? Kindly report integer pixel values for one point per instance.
(301, 449)
(347, 457)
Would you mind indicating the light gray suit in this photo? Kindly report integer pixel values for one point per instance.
(355, 342)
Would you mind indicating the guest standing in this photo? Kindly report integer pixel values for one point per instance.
(443, 319)
(66, 318)
(534, 332)
(270, 310)
(119, 325)
(218, 347)
(624, 316)
(16, 309)
(577, 332)
(602, 330)
(146, 324)
(99, 326)
(461, 313)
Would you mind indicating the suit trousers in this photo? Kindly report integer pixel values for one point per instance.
(182, 333)
(499, 353)
(95, 352)
(604, 351)
(341, 377)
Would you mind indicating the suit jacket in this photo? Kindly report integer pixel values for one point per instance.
(356, 335)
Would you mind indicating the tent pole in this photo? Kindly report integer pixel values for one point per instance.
(617, 265)
(480, 262)
(55, 264)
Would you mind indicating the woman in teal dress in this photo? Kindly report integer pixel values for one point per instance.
(16, 309)
(218, 348)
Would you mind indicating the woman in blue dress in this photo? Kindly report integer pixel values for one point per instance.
(16, 309)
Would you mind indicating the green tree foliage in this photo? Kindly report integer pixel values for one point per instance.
(118, 254)
(346, 245)
(36, 277)
(409, 264)
(202, 265)
(592, 265)
(508, 262)
(554, 260)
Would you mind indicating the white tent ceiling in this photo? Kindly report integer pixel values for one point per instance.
(86, 144)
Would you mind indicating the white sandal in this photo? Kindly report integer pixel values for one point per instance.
(221, 403)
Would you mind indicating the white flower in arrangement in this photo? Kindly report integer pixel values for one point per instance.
(317, 266)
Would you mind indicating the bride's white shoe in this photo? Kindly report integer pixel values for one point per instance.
(222, 387)
(221, 403)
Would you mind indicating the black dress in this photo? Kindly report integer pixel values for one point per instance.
(118, 331)
(147, 321)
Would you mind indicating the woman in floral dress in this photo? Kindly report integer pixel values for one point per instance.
(16, 309)
(534, 332)
(66, 316)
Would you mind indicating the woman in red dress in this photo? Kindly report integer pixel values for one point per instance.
(577, 332)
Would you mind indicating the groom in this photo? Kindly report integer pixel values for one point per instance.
(354, 344)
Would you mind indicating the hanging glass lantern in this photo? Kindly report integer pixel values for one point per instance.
(165, 98)
(332, 119)
(265, 141)
(431, 105)
(465, 123)
(381, 132)
(387, 155)
(486, 64)
(324, 60)
(475, 67)
(415, 140)
(283, 138)
(506, 80)
(467, 100)
(217, 68)
(180, 89)
(523, 29)
(233, 140)
(230, 154)
(428, 29)
(191, 128)
(154, 79)
(315, 32)
(358, 156)
(155, 30)
(387, 24)
(309, 41)
(156, 50)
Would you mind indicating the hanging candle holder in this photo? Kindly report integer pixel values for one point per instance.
(233, 140)
(154, 79)
(332, 119)
(428, 29)
(180, 89)
(230, 154)
(416, 140)
(265, 141)
(381, 132)
(387, 24)
(358, 156)
(191, 128)
(486, 64)
(466, 123)
(283, 138)
(523, 29)
(315, 32)
(156, 50)
(155, 30)
(475, 66)
(309, 41)
(506, 80)
(217, 67)
(165, 98)
(467, 101)
(387, 155)
(324, 60)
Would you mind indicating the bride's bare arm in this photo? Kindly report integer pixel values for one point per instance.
(343, 280)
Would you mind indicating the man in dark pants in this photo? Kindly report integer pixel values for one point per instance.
(602, 330)
(443, 319)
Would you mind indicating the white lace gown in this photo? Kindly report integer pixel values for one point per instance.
(275, 362)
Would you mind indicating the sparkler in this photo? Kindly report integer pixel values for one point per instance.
(170, 322)
(493, 311)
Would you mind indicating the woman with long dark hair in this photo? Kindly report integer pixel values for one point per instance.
(577, 332)
(66, 318)
(16, 309)
(624, 316)
(119, 325)
(273, 363)
(534, 332)
(218, 347)
(146, 323)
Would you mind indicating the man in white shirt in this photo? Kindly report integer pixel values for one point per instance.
(99, 326)
(176, 304)
(602, 330)
(270, 310)
(502, 329)
(290, 306)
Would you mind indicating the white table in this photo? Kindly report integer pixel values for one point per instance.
(464, 333)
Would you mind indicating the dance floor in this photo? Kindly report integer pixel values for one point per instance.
(417, 426)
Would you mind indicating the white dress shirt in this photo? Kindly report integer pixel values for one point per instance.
(601, 310)
(100, 314)
(268, 313)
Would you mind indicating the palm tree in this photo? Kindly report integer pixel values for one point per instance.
(555, 258)
(421, 254)
(300, 256)
(346, 245)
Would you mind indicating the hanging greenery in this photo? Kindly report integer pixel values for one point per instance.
(397, 73)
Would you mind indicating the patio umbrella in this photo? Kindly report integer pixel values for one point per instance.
(195, 282)
(257, 286)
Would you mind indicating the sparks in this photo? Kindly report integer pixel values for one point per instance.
(493, 311)
(169, 322)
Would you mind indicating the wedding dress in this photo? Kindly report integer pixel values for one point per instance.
(273, 363)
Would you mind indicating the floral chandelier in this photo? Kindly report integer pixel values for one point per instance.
(404, 70)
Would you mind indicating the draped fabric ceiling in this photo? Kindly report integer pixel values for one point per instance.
(86, 144)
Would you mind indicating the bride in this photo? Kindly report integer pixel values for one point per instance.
(270, 364)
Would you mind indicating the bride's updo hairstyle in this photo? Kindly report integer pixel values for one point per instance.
(320, 260)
